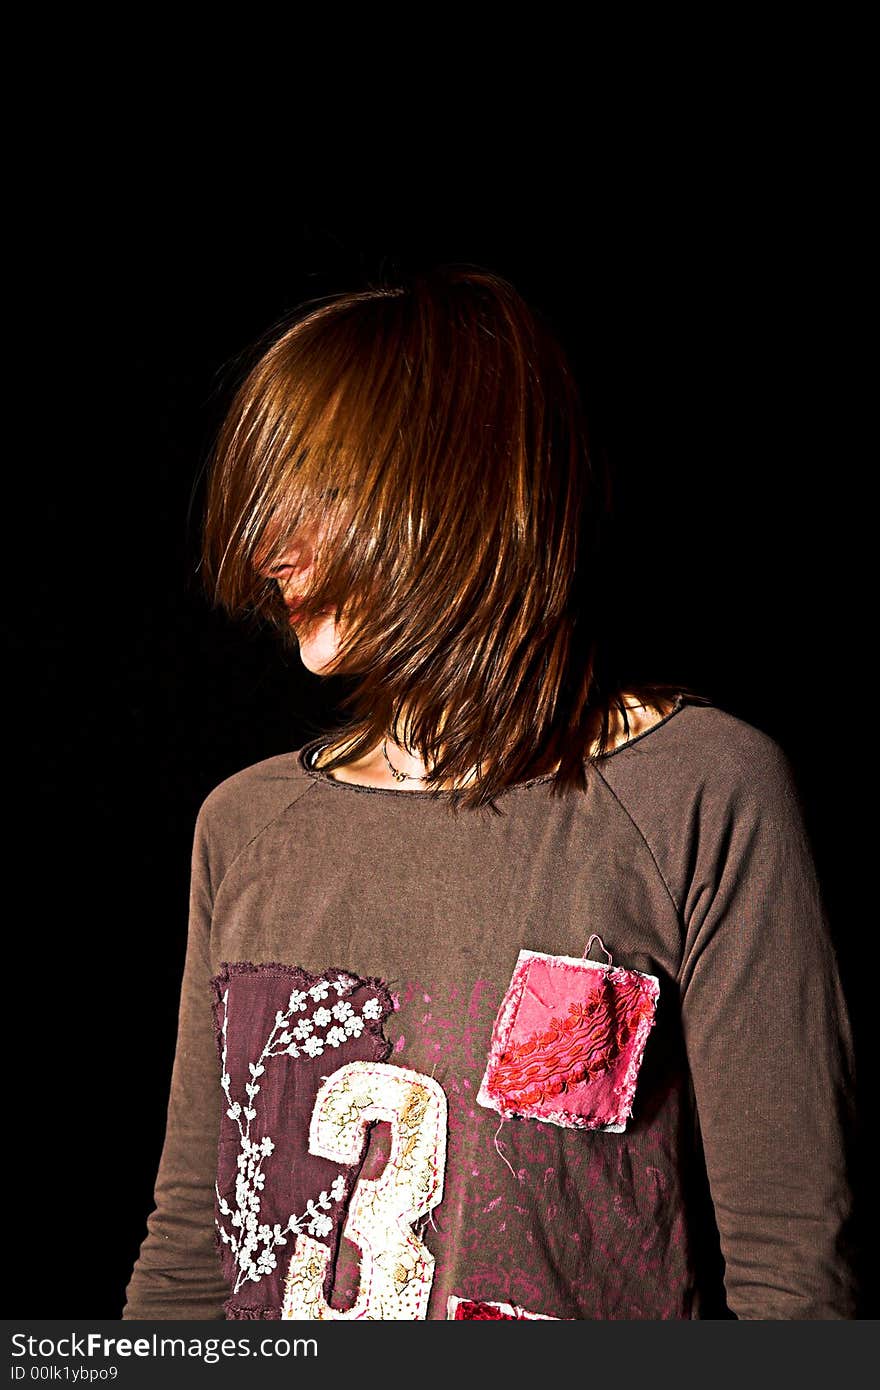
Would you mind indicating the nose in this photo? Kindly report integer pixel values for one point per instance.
(295, 560)
(296, 563)
(292, 581)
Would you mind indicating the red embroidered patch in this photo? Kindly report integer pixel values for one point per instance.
(475, 1310)
(568, 1042)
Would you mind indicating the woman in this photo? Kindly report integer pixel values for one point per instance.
(513, 996)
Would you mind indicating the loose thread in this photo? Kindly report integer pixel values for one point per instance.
(498, 1151)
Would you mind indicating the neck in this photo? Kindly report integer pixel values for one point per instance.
(403, 766)
(372, 769)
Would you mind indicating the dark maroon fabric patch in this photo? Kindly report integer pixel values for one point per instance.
(280, 1031)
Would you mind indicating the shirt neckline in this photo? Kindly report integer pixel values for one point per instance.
(309, 750)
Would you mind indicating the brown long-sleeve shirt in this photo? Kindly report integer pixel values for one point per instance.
(348, 974)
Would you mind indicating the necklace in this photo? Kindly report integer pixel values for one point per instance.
(395, 773)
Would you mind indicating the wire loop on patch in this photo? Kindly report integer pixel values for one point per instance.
(602, 947)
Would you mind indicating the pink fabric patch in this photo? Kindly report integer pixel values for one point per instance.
(477, 1310)
(568, 1042)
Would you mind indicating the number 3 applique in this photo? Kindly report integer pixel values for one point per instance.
(396, 1268)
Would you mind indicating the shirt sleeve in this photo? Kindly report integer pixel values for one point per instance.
(178, 1274)
(770, 1050)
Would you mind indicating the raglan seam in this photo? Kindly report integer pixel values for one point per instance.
(247, 844)
(645, 841)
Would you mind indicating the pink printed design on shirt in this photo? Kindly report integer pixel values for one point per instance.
(479, 1310)
(568, 1042)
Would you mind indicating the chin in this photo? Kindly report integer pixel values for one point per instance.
(319, 649)
(317, 667)
(314, 661)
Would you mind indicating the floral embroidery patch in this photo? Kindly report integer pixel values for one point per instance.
(279, 1031)
(477, 1310)
(568, 1042)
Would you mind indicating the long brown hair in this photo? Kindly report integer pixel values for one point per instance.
(432, 423)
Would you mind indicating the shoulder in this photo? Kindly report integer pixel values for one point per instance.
(705, 786)
(702, 741)
(701, 749)
(241, 806)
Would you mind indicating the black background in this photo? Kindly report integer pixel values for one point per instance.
(698, 300)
